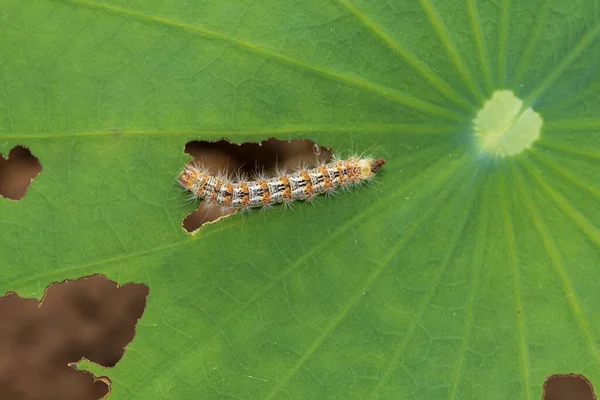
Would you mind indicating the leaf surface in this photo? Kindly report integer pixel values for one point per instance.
(457, 276)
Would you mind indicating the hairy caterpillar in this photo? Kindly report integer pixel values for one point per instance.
(302, 184)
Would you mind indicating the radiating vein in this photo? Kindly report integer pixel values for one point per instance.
(432, 170)
(463, 206)
(575, 95)
(559, 169)
(502, 40)
(410, 232)
(374, 206)
(575, 51)
(481, 45)
(427, 129)
(404, 54)
(444, 36)
(169, 363)
(558, 265)
(525, 59)
(68, 269)
(511, 245)
(478, 249)
(578, 219)
(548, 144)
(378, 205)
(399, 97)
(580, 124)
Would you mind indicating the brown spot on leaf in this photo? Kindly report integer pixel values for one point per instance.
(568, 387)
(41, 342)
(17, 171)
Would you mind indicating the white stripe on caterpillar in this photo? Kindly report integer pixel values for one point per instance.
(302, 184)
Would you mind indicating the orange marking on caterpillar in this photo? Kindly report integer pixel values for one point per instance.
(299, 185)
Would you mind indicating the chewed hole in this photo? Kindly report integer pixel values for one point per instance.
(91, 317)
(247, 159)
(17, 171)
(568, 387)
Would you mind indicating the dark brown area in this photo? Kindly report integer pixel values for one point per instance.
(568, 387)
(248, 158)
(17, 172)
(90, 318)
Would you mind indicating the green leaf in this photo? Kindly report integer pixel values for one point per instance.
(467, 272)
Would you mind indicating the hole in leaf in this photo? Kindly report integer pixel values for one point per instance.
(247, 159)
(17, 171)
(568, 387)
(90, 318)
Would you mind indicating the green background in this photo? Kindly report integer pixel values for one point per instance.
(456, 276)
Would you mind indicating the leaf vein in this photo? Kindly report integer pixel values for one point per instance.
(429, 129)
(477, 262)
(575, 51)
(450, 252)
(444, 36)
(569, 177)
(558, 265)
(481, 45)
(578, 219)
(404, 54)
(399, 97)
(509, 236)
(524, 61)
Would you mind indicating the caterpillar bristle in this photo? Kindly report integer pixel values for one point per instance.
(263, 191)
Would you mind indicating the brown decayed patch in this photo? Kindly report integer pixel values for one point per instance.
(40, 343)
(568, 387)
(17, 172)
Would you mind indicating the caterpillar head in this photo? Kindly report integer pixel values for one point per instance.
(188, 177)
(368, 167)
